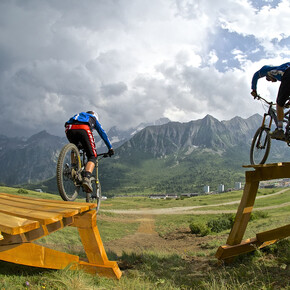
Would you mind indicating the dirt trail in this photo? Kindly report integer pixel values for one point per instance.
(178, 241)
(146, 238)
(196, 209)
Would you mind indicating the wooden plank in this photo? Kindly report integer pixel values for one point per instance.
(30, 254)
(275, 234)
(35, 255)
(269, 171)
(267, 165)
(81, 206)
(34, 205)
(243, 213)
(109, 270)
(16, 225)
(43, 217)
(228, 251)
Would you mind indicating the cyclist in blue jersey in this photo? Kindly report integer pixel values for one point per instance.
(78, 131)
(275, 73)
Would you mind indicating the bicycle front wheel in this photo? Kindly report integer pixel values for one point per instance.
(96, 195)
(68, 168)
(260, 147)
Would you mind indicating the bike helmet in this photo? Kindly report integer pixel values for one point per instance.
(94, 114)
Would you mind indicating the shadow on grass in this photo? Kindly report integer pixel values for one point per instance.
(162, 268)
(9, 269)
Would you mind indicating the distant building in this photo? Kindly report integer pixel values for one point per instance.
(185, 195)
(38, 190)
(206, 189)
(157, 196)
(221, 188)
(238, 185)
(172, 196)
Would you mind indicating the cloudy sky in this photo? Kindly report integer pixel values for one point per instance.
(135, 61)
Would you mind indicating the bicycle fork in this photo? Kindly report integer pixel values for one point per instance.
(267, 128)
(97, 178)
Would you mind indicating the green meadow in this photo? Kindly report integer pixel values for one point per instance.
(157, 250)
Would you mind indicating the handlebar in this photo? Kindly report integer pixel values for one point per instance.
(104, 155)
(269, 103)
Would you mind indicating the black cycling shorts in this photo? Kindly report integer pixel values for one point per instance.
(284, 90)
(81, 135)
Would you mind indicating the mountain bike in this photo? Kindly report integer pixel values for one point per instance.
(261, 142)
(69, 174)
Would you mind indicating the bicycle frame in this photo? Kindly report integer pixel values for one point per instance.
(99, 157)
(273, 116)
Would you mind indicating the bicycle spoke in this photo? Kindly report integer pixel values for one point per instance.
(67, 175)
(260, 146)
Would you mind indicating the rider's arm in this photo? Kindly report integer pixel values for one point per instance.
(259, 74)
(255, 78)
(103, 134)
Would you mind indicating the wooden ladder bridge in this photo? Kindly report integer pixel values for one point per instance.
(24, 220)
(235, 244)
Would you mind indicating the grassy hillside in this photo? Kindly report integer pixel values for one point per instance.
(184, 172)
(159, 251)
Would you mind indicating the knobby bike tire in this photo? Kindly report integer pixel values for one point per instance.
(67, 186)
(263, 133)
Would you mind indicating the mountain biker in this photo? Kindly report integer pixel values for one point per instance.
(273, 74)
(78, 131)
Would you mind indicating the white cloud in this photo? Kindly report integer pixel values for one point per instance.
(265, 24)
(132, 61)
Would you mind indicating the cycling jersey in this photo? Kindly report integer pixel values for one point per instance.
(91, 120)
(275, 72)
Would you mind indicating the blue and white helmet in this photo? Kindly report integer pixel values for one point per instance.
(94, 114)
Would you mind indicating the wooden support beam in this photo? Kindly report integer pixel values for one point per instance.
(244, 213)
(93, 245)
(227, 251)
(37, 256)
(235, 245)
(275, 234)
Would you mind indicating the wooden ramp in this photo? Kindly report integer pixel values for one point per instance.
(235, 245)
(24, 220)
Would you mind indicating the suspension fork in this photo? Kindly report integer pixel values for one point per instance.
(97, 174)
(263, 126)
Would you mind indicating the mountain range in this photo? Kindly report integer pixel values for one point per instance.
(161, 157)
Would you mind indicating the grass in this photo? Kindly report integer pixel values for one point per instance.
(155, 269)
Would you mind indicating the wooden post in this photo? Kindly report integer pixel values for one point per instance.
(244, 212)
(93, 245)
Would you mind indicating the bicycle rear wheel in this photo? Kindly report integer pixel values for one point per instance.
(96, 195)
(66, 174)
(260, 147)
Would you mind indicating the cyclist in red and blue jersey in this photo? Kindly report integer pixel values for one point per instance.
(275, 73)
(78, 131)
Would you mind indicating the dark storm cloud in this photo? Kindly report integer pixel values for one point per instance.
(132, 61)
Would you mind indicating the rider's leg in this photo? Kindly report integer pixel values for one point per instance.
(280, 116)
(282, 97)
(90, 166)
(90, 149)
(87, 185)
